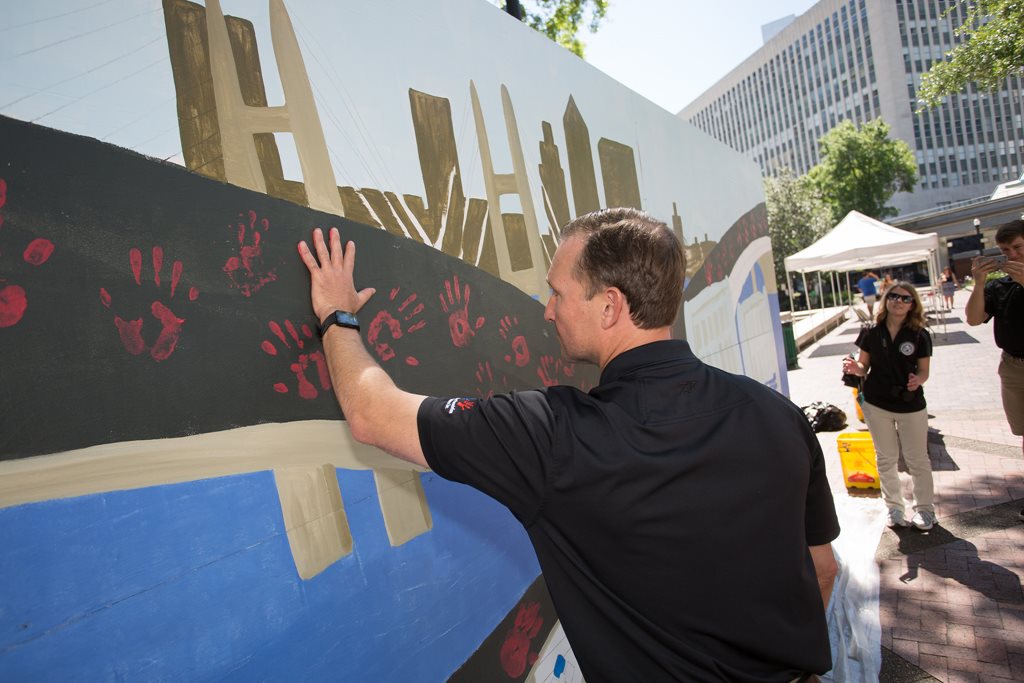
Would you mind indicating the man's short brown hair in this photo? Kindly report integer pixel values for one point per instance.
(635, 253)
(1007, 232)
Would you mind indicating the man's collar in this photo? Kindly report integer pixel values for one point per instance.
(646, 354)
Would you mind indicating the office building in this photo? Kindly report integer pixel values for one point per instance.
(859, 60)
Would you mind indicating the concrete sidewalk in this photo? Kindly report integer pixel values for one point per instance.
(951, 605)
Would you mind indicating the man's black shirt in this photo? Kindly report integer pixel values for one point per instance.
(1004, 301)
(671, 509)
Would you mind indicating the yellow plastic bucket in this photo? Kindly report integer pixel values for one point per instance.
(857, 454)
(856, 402)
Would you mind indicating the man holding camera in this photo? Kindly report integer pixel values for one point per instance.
(1003, 300)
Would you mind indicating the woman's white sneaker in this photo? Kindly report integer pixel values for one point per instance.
(923, 520)
(896, 518)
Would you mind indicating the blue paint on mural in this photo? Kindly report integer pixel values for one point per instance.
(196, 580)
(780, 344)
(559, 666)
(752, 282)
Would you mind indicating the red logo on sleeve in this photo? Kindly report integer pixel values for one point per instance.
(459, 404)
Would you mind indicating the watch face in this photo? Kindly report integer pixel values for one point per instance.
(342, 318)
(346, 319)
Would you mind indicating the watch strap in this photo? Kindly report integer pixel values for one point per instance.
(341, 318)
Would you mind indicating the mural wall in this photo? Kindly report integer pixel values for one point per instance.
(179, 494)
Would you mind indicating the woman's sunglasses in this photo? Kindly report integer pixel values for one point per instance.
(905, 298)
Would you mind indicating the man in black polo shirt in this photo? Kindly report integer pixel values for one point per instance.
(681, 514)
(1003, 300)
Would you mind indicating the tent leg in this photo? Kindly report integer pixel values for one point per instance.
(933, 265)
(789, 292)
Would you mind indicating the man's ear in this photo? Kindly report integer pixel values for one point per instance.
(615, 306)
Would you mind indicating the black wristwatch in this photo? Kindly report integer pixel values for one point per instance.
(343, 318)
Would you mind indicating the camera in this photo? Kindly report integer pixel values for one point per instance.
(997, 260)
(851, 380)
(901, 393)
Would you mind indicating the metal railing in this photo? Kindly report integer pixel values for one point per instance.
(939, 209)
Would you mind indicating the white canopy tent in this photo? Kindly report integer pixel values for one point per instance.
(861, 243)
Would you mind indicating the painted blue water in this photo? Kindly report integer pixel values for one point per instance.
(196, 581)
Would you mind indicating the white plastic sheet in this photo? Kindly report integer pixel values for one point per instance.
(854, 628)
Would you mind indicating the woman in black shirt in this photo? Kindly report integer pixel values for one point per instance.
(894, 358)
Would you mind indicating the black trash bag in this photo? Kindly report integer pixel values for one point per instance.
(825, 417)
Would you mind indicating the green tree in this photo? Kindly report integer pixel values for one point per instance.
(560, 20)
(797, 216)
(862, 168)
(993, 49)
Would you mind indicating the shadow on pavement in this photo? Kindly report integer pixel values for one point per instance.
(957, 558)
(938, 454)
(938, 339)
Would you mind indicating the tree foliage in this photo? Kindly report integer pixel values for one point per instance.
(992, 51)
(861, 169)
(797, 216)
(560, 20)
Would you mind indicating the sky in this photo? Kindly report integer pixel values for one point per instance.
(670, 51)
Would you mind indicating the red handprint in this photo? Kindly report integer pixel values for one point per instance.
(13, 300)
(130, 331)
(485, 379)
(520, 352)
(551, 370)
(12, 305)
(306, 388)
(38, 251)
(247, 269)
(407, 310)
(515, 651)
(457, 307)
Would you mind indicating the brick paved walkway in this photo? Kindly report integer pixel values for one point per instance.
(950, 601)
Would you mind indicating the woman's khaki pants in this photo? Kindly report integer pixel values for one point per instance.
(889, 431)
